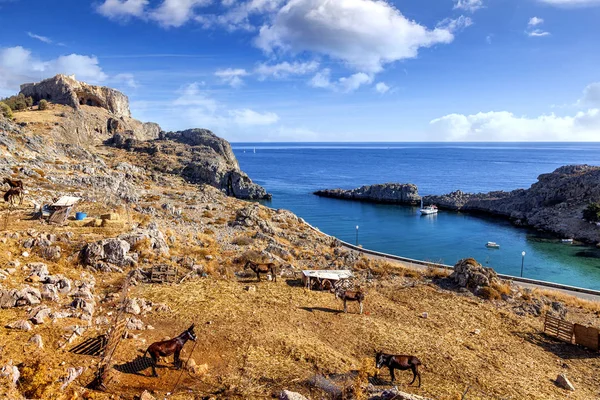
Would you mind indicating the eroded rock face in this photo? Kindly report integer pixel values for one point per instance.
(199, 156)
(555, 203)
(63, 89)
(111, 251)
(390, 193)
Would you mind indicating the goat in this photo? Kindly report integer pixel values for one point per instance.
(264, 268)
(12, 195)
(14, 183)
(351, 295)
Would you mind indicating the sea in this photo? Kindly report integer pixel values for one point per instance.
(293, 171)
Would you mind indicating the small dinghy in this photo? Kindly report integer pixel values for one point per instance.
(492, 245)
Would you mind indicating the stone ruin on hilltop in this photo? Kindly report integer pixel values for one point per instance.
(63, 89)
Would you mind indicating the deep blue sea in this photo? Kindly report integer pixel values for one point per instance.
(292, 171)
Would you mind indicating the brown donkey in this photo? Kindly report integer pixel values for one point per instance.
(168, 347)
(351, 295)
(400, 362)
(14, 183)
(264, 268)
(12, 195)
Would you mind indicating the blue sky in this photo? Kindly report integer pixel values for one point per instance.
(325, 70)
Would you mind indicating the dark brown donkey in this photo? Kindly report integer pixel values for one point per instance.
(264, 268)
(168, 347)
(12, 195)
(399, 362)
(14, 183)
(351, 295)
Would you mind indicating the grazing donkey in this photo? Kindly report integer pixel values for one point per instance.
(351, 295)
(264, 268)
(14, 183)
(399, 362)
(168, 347)
(12, 195)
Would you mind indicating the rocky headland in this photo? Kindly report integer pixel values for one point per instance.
(554, 204)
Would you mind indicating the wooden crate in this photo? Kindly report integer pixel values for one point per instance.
(162, 274)
(559, 328)
(586, 336)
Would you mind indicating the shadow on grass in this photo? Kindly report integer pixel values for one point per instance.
(561, 349)
(322, 309)
(134, 367)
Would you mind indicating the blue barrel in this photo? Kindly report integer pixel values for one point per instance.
(80, 216)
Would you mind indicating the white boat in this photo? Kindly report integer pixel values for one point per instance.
(492, 245)
(566, 240)
(430, 209)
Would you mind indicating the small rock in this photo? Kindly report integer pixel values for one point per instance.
(208, 257)
(39, 314)
(25, 254)
(134, 324)
(146, 396)
(425, 315)
(11, 372)
(476, 332)
(563, 382)
(250, 288)
(21, 325)
(37, 340)
(287, 395)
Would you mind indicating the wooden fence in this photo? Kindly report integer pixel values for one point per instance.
(566, 331)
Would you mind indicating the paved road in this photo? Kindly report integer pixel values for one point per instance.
(585, 296)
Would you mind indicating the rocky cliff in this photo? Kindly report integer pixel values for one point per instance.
(554, 204)
(390, 193)
(63, 89)
(199, 156)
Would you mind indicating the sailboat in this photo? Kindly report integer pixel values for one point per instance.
(255, 150)
(430, 209)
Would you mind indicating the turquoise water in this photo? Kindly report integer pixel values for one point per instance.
(291, 172)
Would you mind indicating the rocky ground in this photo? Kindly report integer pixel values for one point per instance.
(60, 285)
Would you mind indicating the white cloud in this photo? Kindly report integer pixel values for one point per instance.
(364, 34)
(506, 127)
(249, 117)
(198, 109)
(232, 76)
(489, 38)
(572, 3)
(18, 65)
(127, 79)
(122, 9)
(531, 32)
(348, 84)
(44, 39)
(285, 69)
(591, 95)
(468, 5)
(175, 13)
(455, 24)
(238, 17)
(537, 33)
(535, 21)
(381, 87)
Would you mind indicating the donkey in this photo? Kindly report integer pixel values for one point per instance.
(12, 195)
(400, 362)
(13, 183)
(264, 268)
(351, 295)
(168, 347)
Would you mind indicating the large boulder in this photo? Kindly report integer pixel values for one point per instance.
(468, 273)
(112, 251)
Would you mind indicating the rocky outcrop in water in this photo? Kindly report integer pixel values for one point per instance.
(63, 89)
(555, 203)
(390, 193)
(199, 156)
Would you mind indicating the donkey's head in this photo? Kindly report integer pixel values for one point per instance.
(191, 334)
(379, 359)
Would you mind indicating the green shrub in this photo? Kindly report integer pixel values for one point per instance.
(18, 102)
(592, 212)
(5, 110)
(43, 105)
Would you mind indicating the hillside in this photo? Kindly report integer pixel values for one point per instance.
(254, 339)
